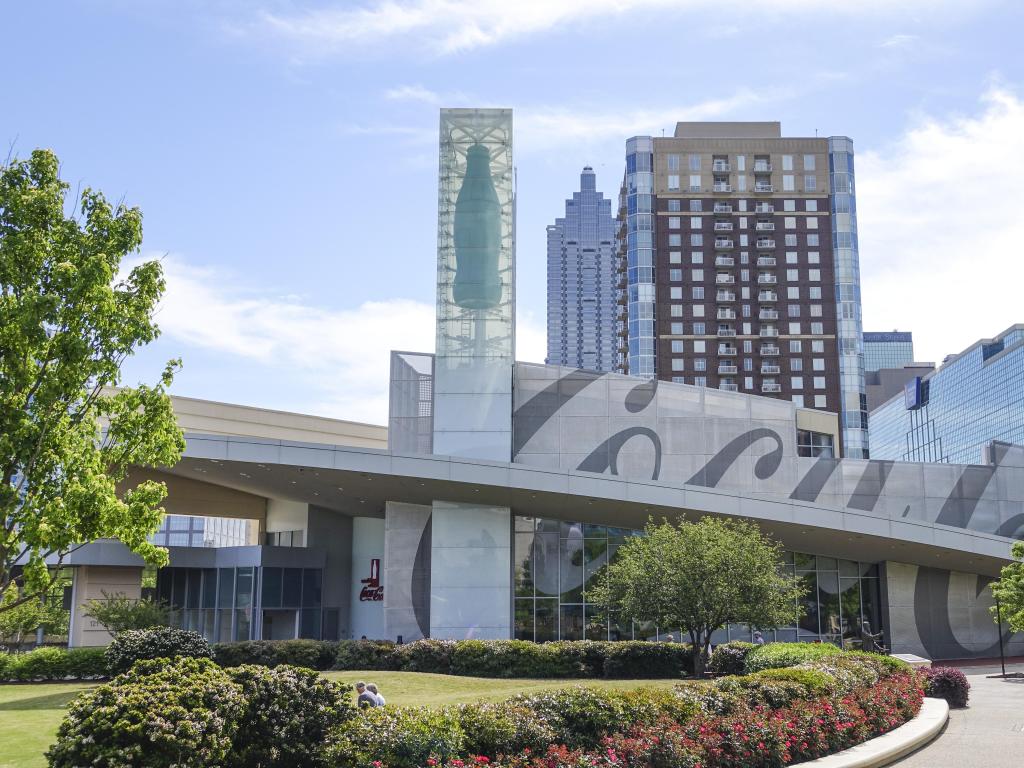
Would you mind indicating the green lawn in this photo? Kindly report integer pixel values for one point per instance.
(30, 714)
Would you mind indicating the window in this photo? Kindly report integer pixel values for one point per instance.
(741, 163)
(813, 444)
(790, 241)
(677, 346)
(787, 162)
(699, 346)
(794, 328)
(700, 381)
(744, 275)
(815, 310)
(812, 239)
(818, 364)
(694, 162)
(745, 292)
(677, 329)
(818, 346)
(796, 364)
(812, 222)
(743, 222)
(748, 382)
(793, 275)
(743, 205)
(695, 206)
(793, 310)
(813, 257)
(673, 182)
(674, 222)
(676, 310)
(698, 310)
(789, 205)
(744, 241)
(814, 275)
(790, 222)
(819, 401)
(748, 346)
(675, 205)
(675, 275)
(698, 275)
(795, 346)
(700, 364)
(746, 329)
(817, 329)
(678, 364)
(810, 184)
(695, 222)
(798, 401)
(795, 382)
(793, 292)
(819, 382)
(673, 162)
(675, 257)
(808, 162)
(696, 257)
(788, 184)
(695, 182)
(696, 239)
(741, 183)
(791, 257)
(748, 364)
(812, 205)
(675, 241)
(675, 292)
(698, 329)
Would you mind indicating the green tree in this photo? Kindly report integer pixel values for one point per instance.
(1009, 591)
(22, 620)
(117, 613)
(69, 317)
(699, 577)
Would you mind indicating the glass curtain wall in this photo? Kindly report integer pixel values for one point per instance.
(555, 562)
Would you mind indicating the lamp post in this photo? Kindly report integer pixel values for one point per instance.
(999, 618)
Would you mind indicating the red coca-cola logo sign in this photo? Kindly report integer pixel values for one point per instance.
(372, 590)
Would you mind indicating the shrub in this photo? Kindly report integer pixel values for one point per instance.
(946, 683)
(159, 643)
(398, 737)
(513, 658)
(365, 654)
(502, 729)
(311, 654)
(425, 656)
(728, 658)
(775, 655)
(6, 665)
(116, 613)
(289, 713)
(638, 659)
(86, 663)
(158, 714)
(646, 706)
(40, 664)
(579, 716)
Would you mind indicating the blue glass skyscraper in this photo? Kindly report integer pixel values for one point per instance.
(582, 281)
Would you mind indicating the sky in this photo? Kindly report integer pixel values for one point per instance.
(284, 154)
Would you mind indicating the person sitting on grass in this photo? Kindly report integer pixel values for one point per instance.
(372, 688)
(365, 698)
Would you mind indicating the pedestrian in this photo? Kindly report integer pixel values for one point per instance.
(669, 639)
(372, 688)
(364, 697)
(758, 638)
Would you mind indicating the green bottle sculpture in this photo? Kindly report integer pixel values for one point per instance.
(477, 284)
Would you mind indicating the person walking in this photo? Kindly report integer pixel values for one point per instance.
(758, 638)
(372, 688)
(364, 697)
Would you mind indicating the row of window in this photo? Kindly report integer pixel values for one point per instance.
(699, 329)
(675, 240)
(792, 257)
(699, 346)
(792, 276)
(788, 184)
(697, 310)
(696, 222)
(700, 363)
(697, 206)
(721, 163)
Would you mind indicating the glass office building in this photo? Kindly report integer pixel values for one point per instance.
(555, 562)
(953, 413)
(894, 349)
(638, 189)
(582, 282)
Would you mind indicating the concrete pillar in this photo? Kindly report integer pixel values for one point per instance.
(90, 582)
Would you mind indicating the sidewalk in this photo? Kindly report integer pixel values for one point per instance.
(989, 733)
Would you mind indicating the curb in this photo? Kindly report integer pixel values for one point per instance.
(891, 746)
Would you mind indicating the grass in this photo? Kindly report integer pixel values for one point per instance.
(30, 714)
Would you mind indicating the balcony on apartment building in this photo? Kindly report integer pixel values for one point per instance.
(766, 261)
(727, 369)
(725, 296)
(723, 208)
(769, 332)
(723, 279)
(726, 314)
(769, 350)
(765, 242)
(725, 330)
(765, 226)
(721, 186)
(723, 243)
(768, 296)
(771, 386)
(764, 208)
(720, 166)
(728, 386)
(723, 226)
(725, 350)
(770, 368)
(763, 186)
(768, 314)
(767, 279)
(725, 261)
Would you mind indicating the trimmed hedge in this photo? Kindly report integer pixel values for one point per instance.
(49, 663)
(520, 659)
(774, 655)
(729, 658)
(134, 645)
(311, 654)
(946, 683)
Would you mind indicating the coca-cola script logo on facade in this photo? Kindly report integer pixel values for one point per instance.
(372, 590)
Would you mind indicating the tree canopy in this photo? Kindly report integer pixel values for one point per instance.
(1009, 591)
(71, 313)
(700, 577)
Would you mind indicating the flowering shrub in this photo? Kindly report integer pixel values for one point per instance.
(729, 658)
(365, 654)
(312, 654)
(502, 729)
(774, 655)
(398, 737)
(157, 714)
(289, 713)
(946, 683)
(158, 643)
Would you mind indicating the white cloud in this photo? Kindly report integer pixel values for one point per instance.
(413, 93)
(449, 26)
(898, 41)
(335, 359)
(939, 214)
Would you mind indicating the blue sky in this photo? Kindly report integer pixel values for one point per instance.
(284, 153)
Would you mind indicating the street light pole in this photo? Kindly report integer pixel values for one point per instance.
(999, 618)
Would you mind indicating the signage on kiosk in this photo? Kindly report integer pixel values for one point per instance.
(372, 590)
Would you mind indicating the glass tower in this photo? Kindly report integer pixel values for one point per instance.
(582, 273)
(887, 350)
(639, 189)
(853, 410)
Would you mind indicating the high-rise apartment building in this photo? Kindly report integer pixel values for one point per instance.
(893, 349)
(582, 282)
(953, 413)
(742, 266)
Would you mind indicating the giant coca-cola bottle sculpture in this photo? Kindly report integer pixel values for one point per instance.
(477, 284)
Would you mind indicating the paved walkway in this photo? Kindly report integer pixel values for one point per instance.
(989, 733)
